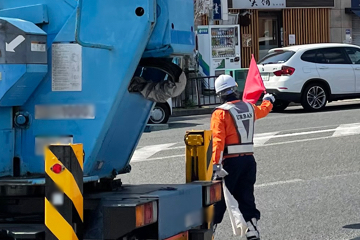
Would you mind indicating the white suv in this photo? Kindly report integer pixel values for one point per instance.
(311, 74)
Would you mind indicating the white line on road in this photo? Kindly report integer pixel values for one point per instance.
(305, 180)
(148, 151)
(259, 139)
(145, 153)
(278, 183)
(160, 158)
(173, 148)
(267, 145)
(347, 129)
(342, 131)
(262, 138)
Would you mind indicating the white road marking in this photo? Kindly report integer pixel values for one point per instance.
(161, 158)
(181, 147)
(267, 145)
(306, 180)
(302, 133)
(278, 183)
(347, 129)
(342, 130)
(304, 140)
(259, 139)
(262, 138)
(145, 152)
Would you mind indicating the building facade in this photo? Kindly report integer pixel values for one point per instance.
(266, 24)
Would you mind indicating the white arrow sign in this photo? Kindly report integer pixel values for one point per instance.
(10, 47)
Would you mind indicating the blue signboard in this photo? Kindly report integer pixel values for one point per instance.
(355, 3)
(217, 9)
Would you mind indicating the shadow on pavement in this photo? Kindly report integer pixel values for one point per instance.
(185, 118)
(182, 125)
(357, 238)
(353, 226)
(327, 109)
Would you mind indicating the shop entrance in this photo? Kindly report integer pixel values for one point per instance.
(270, 31)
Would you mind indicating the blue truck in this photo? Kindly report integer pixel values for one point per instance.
(74, 102)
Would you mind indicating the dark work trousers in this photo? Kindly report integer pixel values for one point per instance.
(240, 182)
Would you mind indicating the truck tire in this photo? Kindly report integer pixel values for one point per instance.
(160, 114)
(314, 97)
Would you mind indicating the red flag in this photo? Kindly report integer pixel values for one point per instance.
(254, 85)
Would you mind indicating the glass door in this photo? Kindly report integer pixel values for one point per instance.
(269, 32)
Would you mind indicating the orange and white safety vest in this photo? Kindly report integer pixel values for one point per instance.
(244, 117)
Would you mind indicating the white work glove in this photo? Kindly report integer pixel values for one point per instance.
(269, 97)
(219, 171)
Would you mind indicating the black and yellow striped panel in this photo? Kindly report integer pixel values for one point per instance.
(64, 219)
(199, 166)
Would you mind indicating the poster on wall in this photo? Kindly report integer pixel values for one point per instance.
(217, 9)
(258, 4)
(246, 40)
(348, 38)
(292, 40)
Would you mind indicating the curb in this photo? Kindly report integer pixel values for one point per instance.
(194, 111)
(180, 112)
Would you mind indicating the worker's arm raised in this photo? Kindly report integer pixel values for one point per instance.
(218, 131)
(265, 108)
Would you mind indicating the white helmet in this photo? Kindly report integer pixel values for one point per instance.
(224, 82)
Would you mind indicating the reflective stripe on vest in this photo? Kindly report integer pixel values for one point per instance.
(243, 116)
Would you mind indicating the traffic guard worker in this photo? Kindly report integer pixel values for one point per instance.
(232, 125)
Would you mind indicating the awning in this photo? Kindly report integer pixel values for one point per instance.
(356, 12)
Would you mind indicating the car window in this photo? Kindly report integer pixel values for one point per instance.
(332, 56)
(309, 56)
(354, 54)
(277, 57)
(313, 56)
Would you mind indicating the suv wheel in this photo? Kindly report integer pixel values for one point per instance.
(314, 98)
(280, 105)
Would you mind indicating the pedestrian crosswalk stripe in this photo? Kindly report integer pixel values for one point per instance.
(262, 139)
(148, 151)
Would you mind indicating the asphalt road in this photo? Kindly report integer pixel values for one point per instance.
(308, 182)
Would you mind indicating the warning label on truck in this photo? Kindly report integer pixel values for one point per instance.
(66, 67)
(38, 47)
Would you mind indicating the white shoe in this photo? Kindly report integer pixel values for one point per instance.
(253, 232)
